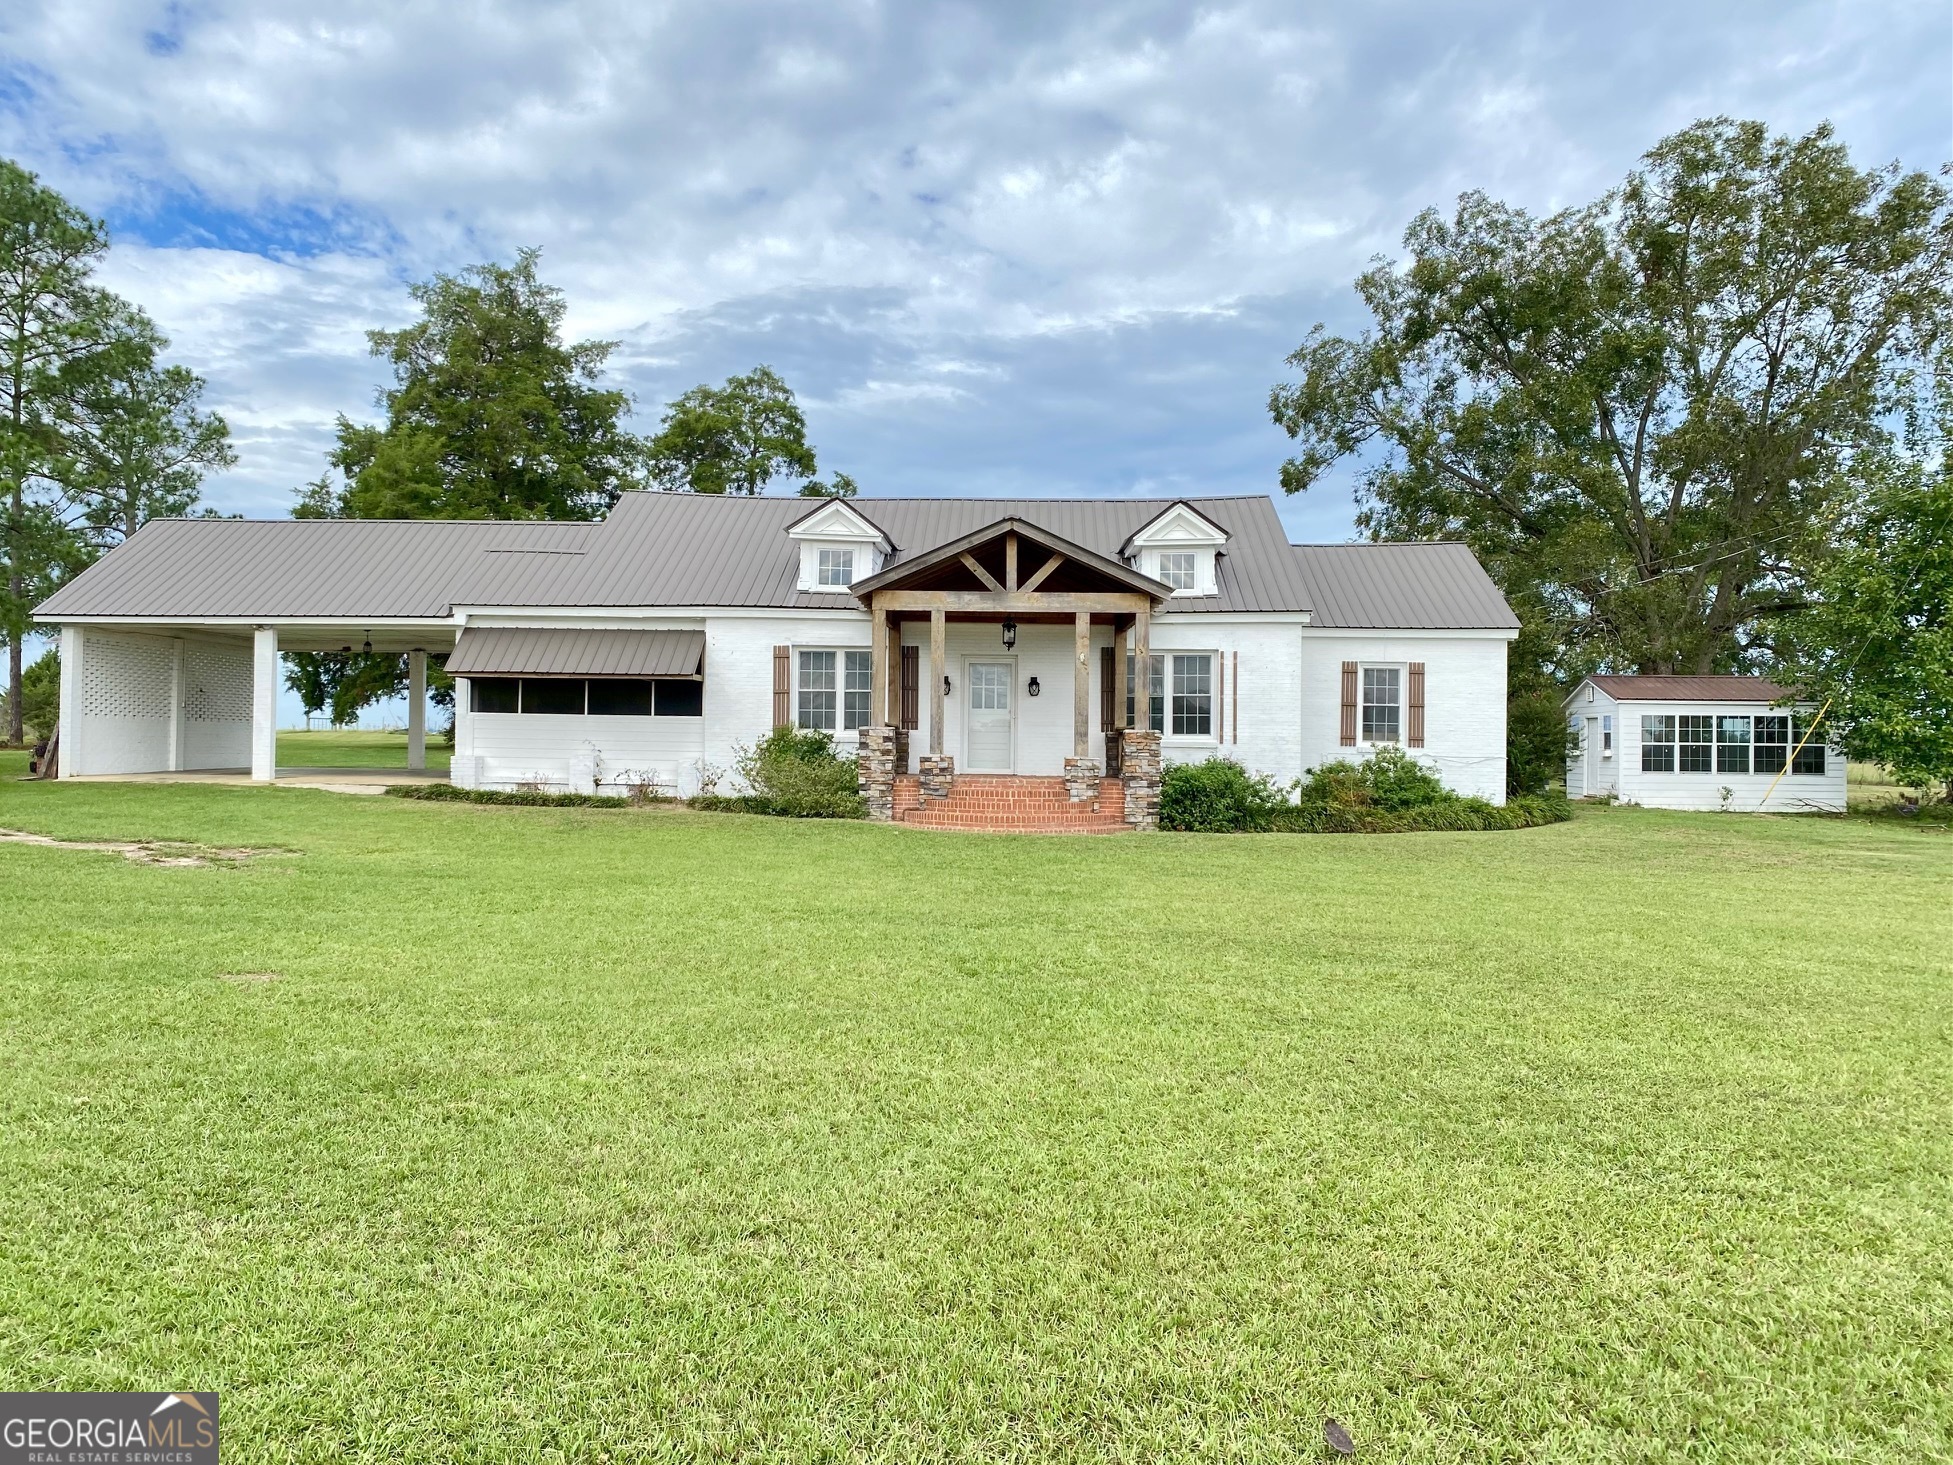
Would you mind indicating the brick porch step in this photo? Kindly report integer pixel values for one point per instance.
(1002, 803)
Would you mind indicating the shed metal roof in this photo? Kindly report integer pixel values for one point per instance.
(1401, 587)
(574, 651)
(1654, 688)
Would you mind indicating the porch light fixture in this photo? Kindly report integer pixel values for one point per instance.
(1010, 634)
(1033, 688)
(945, 686)
(368, 646)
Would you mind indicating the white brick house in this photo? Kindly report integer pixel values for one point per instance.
(997, 637)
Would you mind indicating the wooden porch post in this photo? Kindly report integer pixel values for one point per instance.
(1081, 690)
(878, 677)
(938, 629)
(892, 708)
(1121, 643)
(1142, 650)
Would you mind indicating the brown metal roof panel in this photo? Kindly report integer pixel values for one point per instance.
(1656, 688)
(543, 651)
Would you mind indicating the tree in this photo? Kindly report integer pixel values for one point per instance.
(491, 415)
(1877, 641)
(1643, 413)
(734, 439)
(843, 487)
(138, 443)
(53, 322)
(347, 681)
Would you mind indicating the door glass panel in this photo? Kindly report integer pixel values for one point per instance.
(989, 688)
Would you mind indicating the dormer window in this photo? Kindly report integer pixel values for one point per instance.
(836, 567)
(1180, 547)
(838, 548)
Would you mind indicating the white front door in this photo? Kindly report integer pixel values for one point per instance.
(990, 746)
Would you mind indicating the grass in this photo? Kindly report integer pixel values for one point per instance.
(356, 748)
(478, 1133)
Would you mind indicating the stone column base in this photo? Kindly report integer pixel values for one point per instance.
(1082, 779)
(938, 773)
(874, 763)
(1140, 767)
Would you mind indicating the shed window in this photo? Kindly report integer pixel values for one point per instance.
(1732, 745)
(1810, 757)
(495, 694)
(1193, 696)
(1177, 569)
(620, 697)
(1607, 735)
(1383, 710)
(1770, 748)
(550, 695)
(1658, 744)
(1696, 749)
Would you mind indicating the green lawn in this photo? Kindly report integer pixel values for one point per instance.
(586, 1134)
(355, 748)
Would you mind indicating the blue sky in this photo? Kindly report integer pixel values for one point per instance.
(996, 248)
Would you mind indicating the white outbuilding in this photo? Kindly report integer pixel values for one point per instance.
(1680, 742)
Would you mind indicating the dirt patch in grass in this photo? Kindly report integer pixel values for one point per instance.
(178, 853)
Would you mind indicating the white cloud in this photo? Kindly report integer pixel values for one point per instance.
(856, 190)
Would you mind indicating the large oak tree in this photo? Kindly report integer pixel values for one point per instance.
(1644, 413)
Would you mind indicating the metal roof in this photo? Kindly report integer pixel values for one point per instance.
(705, 550)
(350, 568)
(539, 651)
(1690, 689)
(1425, 587)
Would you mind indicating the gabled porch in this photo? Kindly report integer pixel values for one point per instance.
(1023, 581)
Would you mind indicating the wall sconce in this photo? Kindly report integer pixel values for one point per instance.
(1033, 688)
(945, 686)
(1010, 634)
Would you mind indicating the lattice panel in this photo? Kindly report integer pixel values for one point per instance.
(123, 676)
(216, 683)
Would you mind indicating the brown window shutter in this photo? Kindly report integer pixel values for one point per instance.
(1416, 737)
(1108, 715)
(1349, 704)
(782, 685)
(911, 687)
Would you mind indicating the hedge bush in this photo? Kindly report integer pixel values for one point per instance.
(1387, 793)
(1218, 796)
(795, 772)
(447, 793)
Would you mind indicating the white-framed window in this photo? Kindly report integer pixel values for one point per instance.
(1658, 743)
(1728, 743)
(1607, 736)
(836, 690)
(1190, 712)
(1180, 569)
(835, 567)
(1383, 704)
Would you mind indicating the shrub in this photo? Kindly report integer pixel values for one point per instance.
(1389, 779)
(1218, 796)
(796, 772)
(447, 793)
(1537, 741)
(1453, 814)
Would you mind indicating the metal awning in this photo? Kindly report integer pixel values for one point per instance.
(555, 651)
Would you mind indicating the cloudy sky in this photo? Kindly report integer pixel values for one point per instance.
(1031, 248)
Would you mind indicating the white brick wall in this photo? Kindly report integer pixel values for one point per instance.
(145, 704)
(1464, 700)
